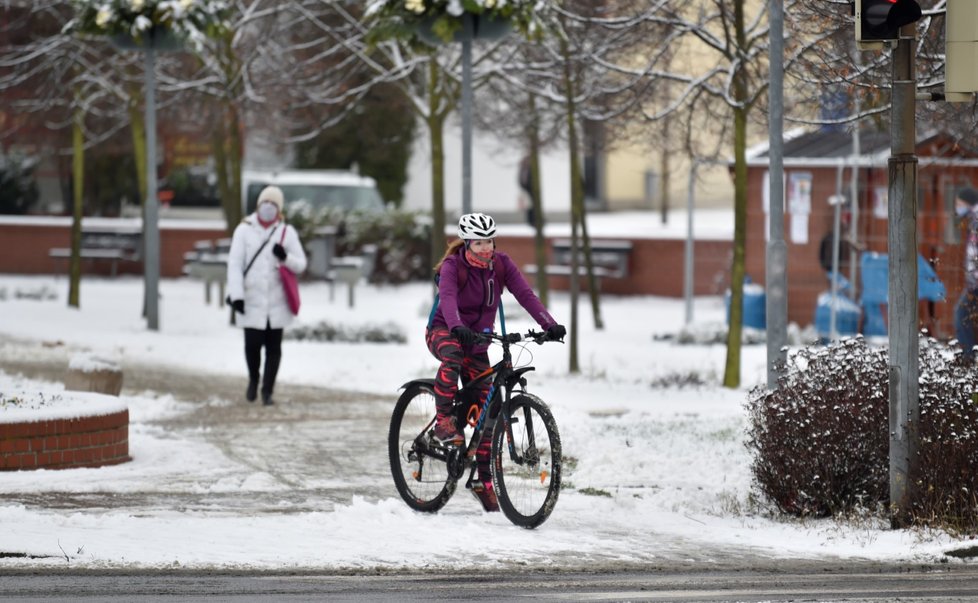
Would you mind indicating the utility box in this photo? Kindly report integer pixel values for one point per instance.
(961, 51)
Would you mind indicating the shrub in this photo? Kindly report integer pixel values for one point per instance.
(327, 331)
(401, 236)
(946, 491)
(821, 438)
(403, 240)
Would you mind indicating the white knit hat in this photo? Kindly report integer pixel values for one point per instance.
(272, 194)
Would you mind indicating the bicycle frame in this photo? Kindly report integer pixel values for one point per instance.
(503, 380)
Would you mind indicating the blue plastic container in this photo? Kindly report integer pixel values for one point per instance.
(874, 268)
(846, 315)
(755, 305)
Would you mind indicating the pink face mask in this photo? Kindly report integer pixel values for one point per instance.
(482, 260)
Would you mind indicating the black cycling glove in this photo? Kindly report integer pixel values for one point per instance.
(465, 335)
(556, 332)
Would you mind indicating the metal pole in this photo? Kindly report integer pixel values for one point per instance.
(151, 259)
(688, 259)
(469, 34)
(854, 200)
(902, 310)
(776, 277)
(834, 296)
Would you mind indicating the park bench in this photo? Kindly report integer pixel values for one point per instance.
(106, 244)
(209, 262)
(350, 269)
(209, 259)
(609, 257)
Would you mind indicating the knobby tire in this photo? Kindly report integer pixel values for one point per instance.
(527, 492)
(431, 489)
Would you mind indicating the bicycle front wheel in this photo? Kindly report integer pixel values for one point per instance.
(526, 468)
(420, 473)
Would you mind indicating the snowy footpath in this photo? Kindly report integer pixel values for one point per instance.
(657, 471)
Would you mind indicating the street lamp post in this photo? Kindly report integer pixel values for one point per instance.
(153, 41)
(151, 240)
(468, 24)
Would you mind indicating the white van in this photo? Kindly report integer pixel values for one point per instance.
(320, 188)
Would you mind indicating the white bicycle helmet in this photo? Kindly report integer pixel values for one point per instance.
(476, 226)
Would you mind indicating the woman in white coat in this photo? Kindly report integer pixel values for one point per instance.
(255, 288)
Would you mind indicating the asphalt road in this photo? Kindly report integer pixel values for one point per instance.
(806, 582)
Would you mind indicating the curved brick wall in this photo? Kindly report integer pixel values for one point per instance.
(65, 443)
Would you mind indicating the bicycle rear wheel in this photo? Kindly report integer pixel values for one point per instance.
(526, 471)
(420, 472)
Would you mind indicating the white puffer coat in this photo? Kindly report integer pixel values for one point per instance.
(261, 289)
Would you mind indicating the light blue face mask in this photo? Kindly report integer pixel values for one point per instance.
(267, 212)
(962, 211)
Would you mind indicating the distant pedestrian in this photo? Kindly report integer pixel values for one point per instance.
(525, 180)
(255, 288)
(966, 310)
(846, 245)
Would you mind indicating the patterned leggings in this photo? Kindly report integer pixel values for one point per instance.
(454, 363)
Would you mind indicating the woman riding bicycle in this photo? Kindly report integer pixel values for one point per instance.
(470, 278)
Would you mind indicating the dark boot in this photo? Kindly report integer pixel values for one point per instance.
(267, 386)
(254, 339)
(273, 358)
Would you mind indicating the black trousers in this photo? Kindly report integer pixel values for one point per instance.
(271, 340)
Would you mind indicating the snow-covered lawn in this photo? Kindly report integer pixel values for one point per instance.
(665, 467)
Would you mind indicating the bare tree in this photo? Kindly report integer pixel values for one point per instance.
(722, 95)
(575, 72)
(64, 83)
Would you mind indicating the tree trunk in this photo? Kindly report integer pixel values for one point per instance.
(78, 179)
(226, 137)
(731, 375)
(578, 214)
(577, 206)
(536, 192)
(436, 122)
(664, 175)
(221, 170)
(235, 153)
(592, 281)
(226, 146)
(138, 126)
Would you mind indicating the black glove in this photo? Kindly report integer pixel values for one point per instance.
(465, 335)
(556, 333)
(238, 306)
(279, 251)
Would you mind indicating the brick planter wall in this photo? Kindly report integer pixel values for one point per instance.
(65, 443)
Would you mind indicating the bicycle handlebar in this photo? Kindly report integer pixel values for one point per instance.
(538, 337)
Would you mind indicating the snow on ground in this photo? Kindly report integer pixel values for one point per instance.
(668, 465)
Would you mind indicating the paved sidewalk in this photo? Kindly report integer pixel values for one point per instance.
(322, 446)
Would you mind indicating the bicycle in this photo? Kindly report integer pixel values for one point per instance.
(525, 457)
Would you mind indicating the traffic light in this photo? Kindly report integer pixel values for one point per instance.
(961, 51)
(881, 20)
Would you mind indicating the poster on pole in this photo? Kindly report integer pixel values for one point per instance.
(800, 205)
(880, 202)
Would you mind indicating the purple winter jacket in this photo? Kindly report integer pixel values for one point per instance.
(476, 305)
